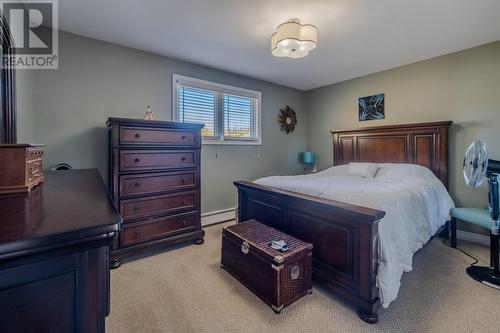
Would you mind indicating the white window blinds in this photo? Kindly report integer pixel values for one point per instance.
(197, 106)
(240, 117)
(230, 114)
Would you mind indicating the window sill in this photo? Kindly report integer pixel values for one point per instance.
(230, 142)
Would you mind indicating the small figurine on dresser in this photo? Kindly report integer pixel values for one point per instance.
(149, 114)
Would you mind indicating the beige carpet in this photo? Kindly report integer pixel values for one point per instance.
(184, 290)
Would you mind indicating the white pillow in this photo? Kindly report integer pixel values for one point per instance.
(365, 170)
(402, 171)
(394, 171)
(338, 170)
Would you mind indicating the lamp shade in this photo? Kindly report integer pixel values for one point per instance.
(293, 39)
(307, 157)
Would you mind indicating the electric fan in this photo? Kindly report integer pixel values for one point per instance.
(475, 164)
(477, 168)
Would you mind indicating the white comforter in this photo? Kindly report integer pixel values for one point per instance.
(415, 202)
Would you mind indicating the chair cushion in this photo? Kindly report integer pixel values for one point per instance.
(477, 216)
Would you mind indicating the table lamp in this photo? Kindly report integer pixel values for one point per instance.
(307, 158)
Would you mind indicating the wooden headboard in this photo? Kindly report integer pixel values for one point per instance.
(424, 144)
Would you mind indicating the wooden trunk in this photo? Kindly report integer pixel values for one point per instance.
(278, 278)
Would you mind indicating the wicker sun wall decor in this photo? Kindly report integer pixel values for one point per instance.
(287, 119)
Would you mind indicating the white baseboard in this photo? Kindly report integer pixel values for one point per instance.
(472, 237)
(218, 216)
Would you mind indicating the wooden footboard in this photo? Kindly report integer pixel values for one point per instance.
(344, 237)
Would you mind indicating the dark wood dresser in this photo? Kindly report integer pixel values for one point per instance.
(155, 182)
(54, 254)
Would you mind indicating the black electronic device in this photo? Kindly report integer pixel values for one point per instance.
(477, 168)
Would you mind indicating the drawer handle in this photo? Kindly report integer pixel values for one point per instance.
(136, 208)
(137, 234)
(137, 135)
(183, 137)
(137, 184)
(184, 223)
(136, 160)
(183, 201)
(245, 247)
(183, 158)
(294, 272)
(183, 180)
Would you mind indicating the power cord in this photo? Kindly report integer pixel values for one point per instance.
(476, 261)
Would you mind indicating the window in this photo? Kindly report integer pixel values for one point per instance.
(231, 115)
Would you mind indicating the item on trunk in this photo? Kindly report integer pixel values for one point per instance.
(280, 245)
(278, 278)
(20, 167)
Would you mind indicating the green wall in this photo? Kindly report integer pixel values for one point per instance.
(463, 87)
(96, 80)
(25, 115)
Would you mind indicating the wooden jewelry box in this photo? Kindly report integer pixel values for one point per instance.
(20, 167)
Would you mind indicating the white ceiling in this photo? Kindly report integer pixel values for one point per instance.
(356, 37)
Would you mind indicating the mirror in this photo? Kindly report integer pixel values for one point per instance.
(7, 88)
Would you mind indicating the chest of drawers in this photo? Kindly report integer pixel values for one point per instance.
(155, 183)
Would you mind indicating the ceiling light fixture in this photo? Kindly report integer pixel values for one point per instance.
(294, 40)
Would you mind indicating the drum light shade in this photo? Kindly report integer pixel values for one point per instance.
(294, 40)
(307, 157)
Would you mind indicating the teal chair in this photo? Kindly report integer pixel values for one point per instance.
(476, 216)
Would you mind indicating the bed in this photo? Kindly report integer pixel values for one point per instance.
(346, 238)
